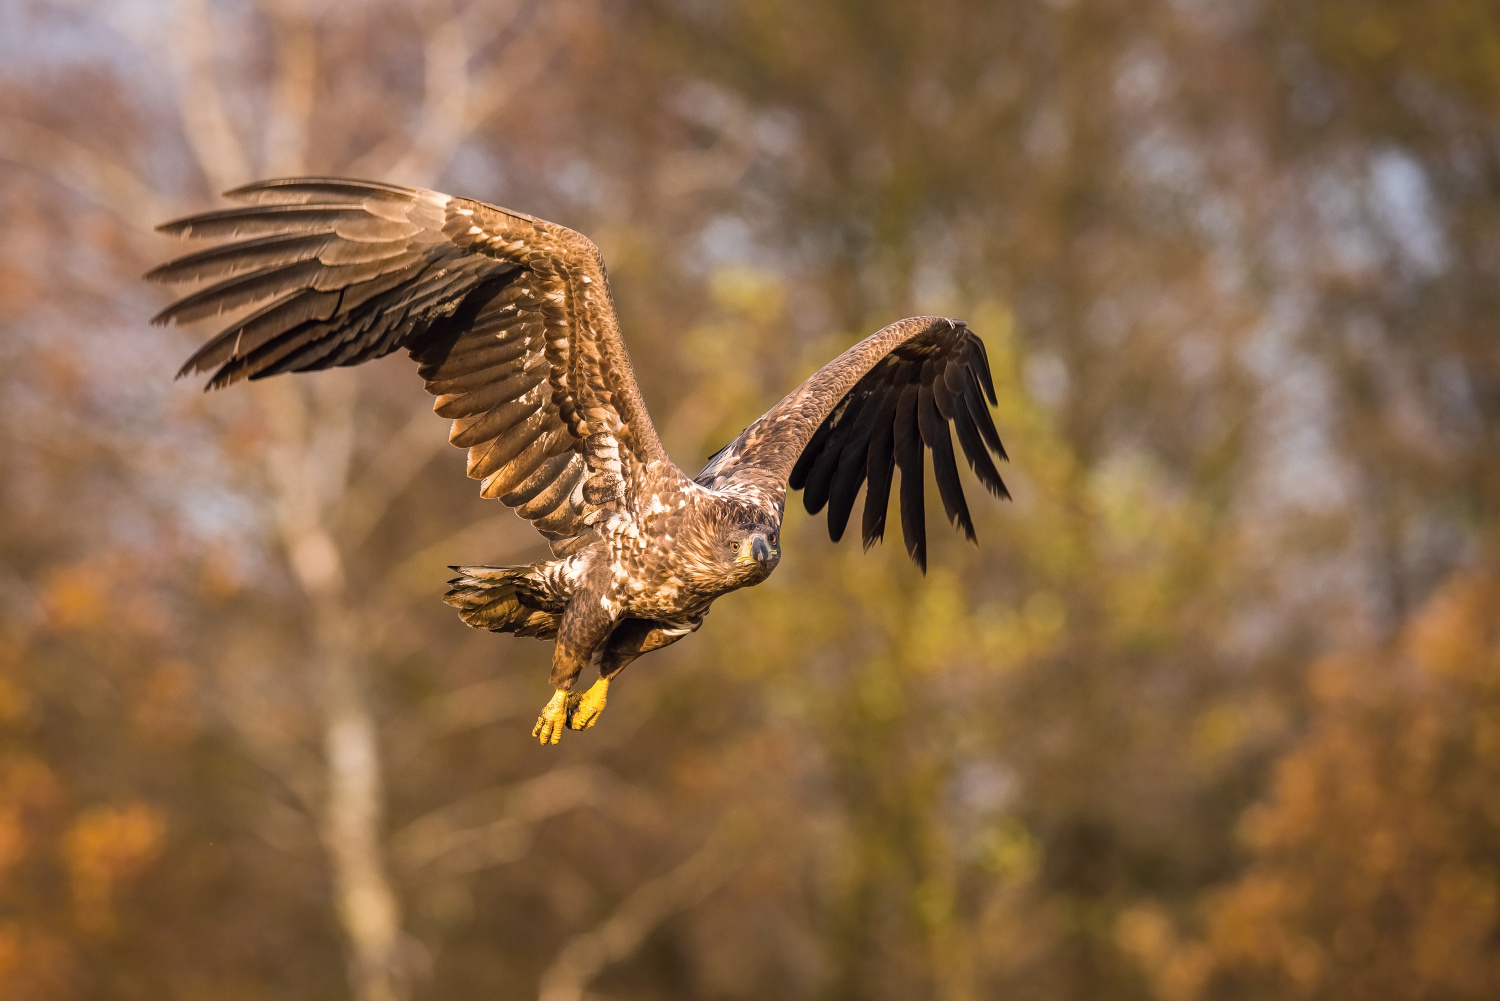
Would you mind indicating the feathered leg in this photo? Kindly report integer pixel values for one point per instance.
(585, 624)
(630, 639)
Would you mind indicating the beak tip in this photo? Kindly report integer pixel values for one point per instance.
(761, 549)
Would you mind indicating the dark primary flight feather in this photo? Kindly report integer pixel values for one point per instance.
(876, 408)
(511, 322)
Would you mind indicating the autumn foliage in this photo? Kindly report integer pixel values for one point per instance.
(1375, 851)
(1212, 712)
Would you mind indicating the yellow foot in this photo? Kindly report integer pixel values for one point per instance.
(549, 725)
(584, 710)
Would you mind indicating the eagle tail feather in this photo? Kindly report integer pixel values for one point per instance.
(506, 600)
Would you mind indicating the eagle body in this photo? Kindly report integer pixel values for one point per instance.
(511, 322)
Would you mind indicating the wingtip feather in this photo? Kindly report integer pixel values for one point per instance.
(314, 186)
(919, 557)
(181, 228)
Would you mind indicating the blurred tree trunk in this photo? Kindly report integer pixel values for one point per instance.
(309, 459)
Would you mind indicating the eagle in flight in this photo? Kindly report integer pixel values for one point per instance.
(512, 325)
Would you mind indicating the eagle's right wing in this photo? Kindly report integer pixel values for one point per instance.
(869, 411)
(509, 317)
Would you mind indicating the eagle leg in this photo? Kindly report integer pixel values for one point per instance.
(585, 625)
(630, 639)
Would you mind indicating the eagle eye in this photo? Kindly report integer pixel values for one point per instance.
(735, 546)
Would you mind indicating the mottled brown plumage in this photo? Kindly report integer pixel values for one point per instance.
(513, 328)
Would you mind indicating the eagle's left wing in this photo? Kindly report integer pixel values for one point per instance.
(874, 408)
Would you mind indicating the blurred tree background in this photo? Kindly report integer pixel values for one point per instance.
(1212, 712)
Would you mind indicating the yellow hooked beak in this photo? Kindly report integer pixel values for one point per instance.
(756, 550)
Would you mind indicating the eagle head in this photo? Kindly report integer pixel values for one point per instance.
(752, 551)
(740, 547)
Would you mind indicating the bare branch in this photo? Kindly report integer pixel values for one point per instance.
(455, 101)
(102, 178)
(501, 81)
(200, 104)
(444, 122)
(387, 476)
(467, 708)
(445, 86)
(585, 956)
(490, 827)
(294, 89)
(260, 723)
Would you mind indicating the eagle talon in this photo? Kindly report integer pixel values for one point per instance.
(549, 725)
(584, 710)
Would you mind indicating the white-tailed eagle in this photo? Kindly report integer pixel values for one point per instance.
(513, 328)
